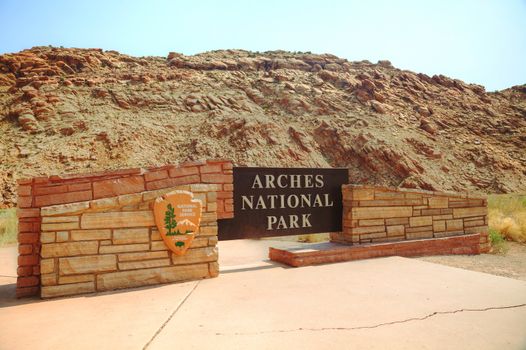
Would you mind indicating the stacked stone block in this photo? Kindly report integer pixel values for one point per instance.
(380, 214)
(36, 193)
(113, 243)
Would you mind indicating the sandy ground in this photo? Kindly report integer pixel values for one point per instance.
(511, 264)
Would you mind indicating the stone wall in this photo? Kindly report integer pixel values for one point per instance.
(113, 243)
(379, 214)
(36, 193)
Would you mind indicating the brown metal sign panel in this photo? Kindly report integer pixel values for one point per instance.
(285, 201)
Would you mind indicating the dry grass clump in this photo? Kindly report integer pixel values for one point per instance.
(314, 238)
(507, 215)
(8, 226)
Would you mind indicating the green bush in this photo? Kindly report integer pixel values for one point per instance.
(498, 243)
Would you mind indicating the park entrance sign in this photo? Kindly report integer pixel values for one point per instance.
(128, 228)
(285, 201)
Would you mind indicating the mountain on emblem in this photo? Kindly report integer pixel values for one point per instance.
(177, 216)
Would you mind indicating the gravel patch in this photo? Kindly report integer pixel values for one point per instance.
(510, 264)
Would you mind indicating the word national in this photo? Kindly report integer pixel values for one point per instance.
(287, 201)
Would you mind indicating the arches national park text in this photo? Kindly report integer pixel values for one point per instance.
(284, 201)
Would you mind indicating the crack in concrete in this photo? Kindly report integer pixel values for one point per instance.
(376, 325)
(170, 317)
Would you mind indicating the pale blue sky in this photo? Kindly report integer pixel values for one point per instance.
(480, 42)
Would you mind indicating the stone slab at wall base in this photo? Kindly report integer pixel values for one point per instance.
(323, 253)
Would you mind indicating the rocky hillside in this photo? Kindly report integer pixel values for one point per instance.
(79, 110)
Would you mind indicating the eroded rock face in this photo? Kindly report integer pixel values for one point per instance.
(77, 110)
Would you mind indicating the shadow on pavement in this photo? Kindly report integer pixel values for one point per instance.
(268, 264)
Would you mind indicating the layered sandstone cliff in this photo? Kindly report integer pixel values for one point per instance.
(81, 110)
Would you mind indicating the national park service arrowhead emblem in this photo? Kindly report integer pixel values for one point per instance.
(177, 216)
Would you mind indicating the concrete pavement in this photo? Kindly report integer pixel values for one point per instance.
(393, 303)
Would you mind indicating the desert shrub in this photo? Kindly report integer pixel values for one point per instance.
(498, 244)
(314, 238)
(507, 215)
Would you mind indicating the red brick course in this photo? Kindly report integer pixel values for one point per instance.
(24, 292)
(79, 187)
(44, 191)
(178, 172)
(59, 198)
(25, 249)
(39, 191)
(24, 271)
(28, 281)
(28, 260)
(156, 175)
(24, 190)
(28, 238)
(216, 178)
(25, 201)
(29, 213)
(117, 187)
(170, 182)
(225, 194)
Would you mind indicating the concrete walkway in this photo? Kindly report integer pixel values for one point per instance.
(388, 303)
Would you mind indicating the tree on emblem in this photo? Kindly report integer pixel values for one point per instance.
(169, 220)
(170, 224)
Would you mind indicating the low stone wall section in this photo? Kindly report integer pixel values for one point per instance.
(36, 193)
(113, 243)
(382, 214)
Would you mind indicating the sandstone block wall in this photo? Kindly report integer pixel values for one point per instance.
(113, 243)
(380, 214)
(36, 193)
